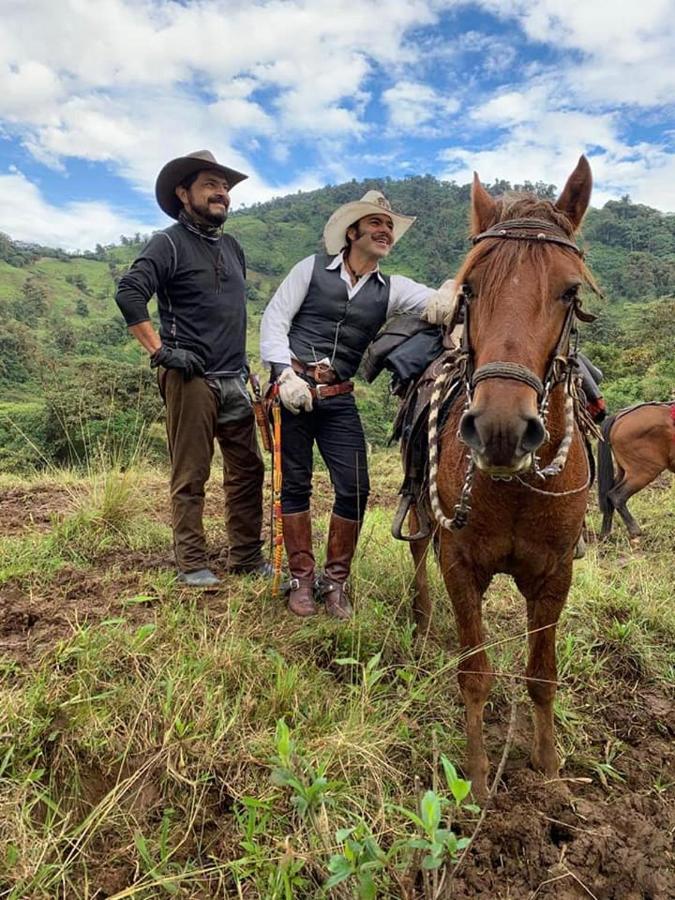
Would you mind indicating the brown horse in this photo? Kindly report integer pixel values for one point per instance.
(642, 440)
(519, 290)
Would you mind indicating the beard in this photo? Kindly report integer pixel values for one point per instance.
(209, 215)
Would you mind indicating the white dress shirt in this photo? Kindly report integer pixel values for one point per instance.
(405, 295)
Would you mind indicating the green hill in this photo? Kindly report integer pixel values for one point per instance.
(70, 374)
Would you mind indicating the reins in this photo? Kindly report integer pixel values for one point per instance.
(560, 370)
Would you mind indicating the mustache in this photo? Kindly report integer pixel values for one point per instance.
(219, 198)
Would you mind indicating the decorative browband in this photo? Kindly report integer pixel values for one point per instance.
(529, 230)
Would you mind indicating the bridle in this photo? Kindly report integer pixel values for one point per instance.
(560, 369)
(539, 231)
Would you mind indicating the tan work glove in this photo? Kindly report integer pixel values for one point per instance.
(441, 305)
(294, 392)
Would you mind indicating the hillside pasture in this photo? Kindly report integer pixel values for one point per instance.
(141, 751)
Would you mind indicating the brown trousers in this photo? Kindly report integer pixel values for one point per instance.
(191, 425)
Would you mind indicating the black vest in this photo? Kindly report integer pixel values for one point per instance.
(329, 324)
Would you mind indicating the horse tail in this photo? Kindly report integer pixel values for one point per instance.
(605, 467)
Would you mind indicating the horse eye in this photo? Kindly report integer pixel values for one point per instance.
(571, 294)
(466, 291)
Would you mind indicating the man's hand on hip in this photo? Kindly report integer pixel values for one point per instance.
(294, 392)
(187, 362)
(440, 308)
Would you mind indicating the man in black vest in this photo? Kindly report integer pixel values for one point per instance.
(198, 274)
(314, 333)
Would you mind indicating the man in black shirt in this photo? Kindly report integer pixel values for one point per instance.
(198, 274)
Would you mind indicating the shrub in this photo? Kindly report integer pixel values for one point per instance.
(23, 437)
(99, 409)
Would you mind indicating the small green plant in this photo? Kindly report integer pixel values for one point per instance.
(310, 789)
(371, 672)
(435, 843)
(274, 877)
(361, 859)
(605, 768)
(432, 844)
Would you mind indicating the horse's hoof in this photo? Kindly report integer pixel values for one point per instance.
(478, 776)
(547, 763)
(479, 790)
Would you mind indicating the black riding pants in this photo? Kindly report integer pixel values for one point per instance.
(335, 425)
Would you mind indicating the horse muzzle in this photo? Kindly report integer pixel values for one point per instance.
(501, 445)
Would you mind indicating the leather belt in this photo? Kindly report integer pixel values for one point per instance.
(320, 372)
(324, 391)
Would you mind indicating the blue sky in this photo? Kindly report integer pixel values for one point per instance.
(96, 96)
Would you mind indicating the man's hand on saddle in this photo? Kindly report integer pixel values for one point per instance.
(441, 305)
(185, 361)
(294, 392)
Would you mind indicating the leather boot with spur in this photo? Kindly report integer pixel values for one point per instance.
(343, 535)
(298, 541)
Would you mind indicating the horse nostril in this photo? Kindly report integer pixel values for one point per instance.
(534, 435)
(468, 431)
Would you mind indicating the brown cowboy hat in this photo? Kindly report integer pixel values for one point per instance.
(178, 169)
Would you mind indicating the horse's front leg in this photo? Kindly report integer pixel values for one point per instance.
(474, 673)
(545, 600)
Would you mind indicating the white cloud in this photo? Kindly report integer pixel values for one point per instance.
(29, 85)
(27, 216)
(132, 83)
(548, 150)
(414, 107)
(624, 48)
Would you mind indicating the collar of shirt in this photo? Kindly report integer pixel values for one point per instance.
(339, 261)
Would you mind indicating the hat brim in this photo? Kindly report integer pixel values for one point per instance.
(347, 215)
(178, 169)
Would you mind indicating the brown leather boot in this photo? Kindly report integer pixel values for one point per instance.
(298, 540)
(343, 535)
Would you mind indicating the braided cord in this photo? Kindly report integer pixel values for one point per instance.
(434, 408)
(558, 462)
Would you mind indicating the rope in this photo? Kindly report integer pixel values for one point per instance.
(558, 462)
(278, 540)
(434, 408)
(578, 490)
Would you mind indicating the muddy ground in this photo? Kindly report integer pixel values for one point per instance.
(570, 838)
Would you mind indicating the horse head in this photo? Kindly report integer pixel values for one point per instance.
(520, 285)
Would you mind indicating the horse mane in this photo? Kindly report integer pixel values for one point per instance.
(505, 254)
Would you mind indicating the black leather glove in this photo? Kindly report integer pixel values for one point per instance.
(185, 361)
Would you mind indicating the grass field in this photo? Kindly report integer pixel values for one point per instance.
(155, 742)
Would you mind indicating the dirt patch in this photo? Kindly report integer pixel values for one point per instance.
(35, 507)
(572, 837)
(554, 840)
(34, 619)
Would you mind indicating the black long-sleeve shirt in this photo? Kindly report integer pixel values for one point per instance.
(201, 293)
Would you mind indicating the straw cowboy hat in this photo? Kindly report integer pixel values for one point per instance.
(372, 203)
(180, 168)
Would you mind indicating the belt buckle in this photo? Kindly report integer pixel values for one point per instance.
(318, 389)
(322, 372)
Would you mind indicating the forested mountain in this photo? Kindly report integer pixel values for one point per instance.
(70, 375)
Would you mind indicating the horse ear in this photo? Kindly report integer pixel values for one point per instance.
(483, 208)
(577, 193)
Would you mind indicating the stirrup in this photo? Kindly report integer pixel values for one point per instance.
(406, 501)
